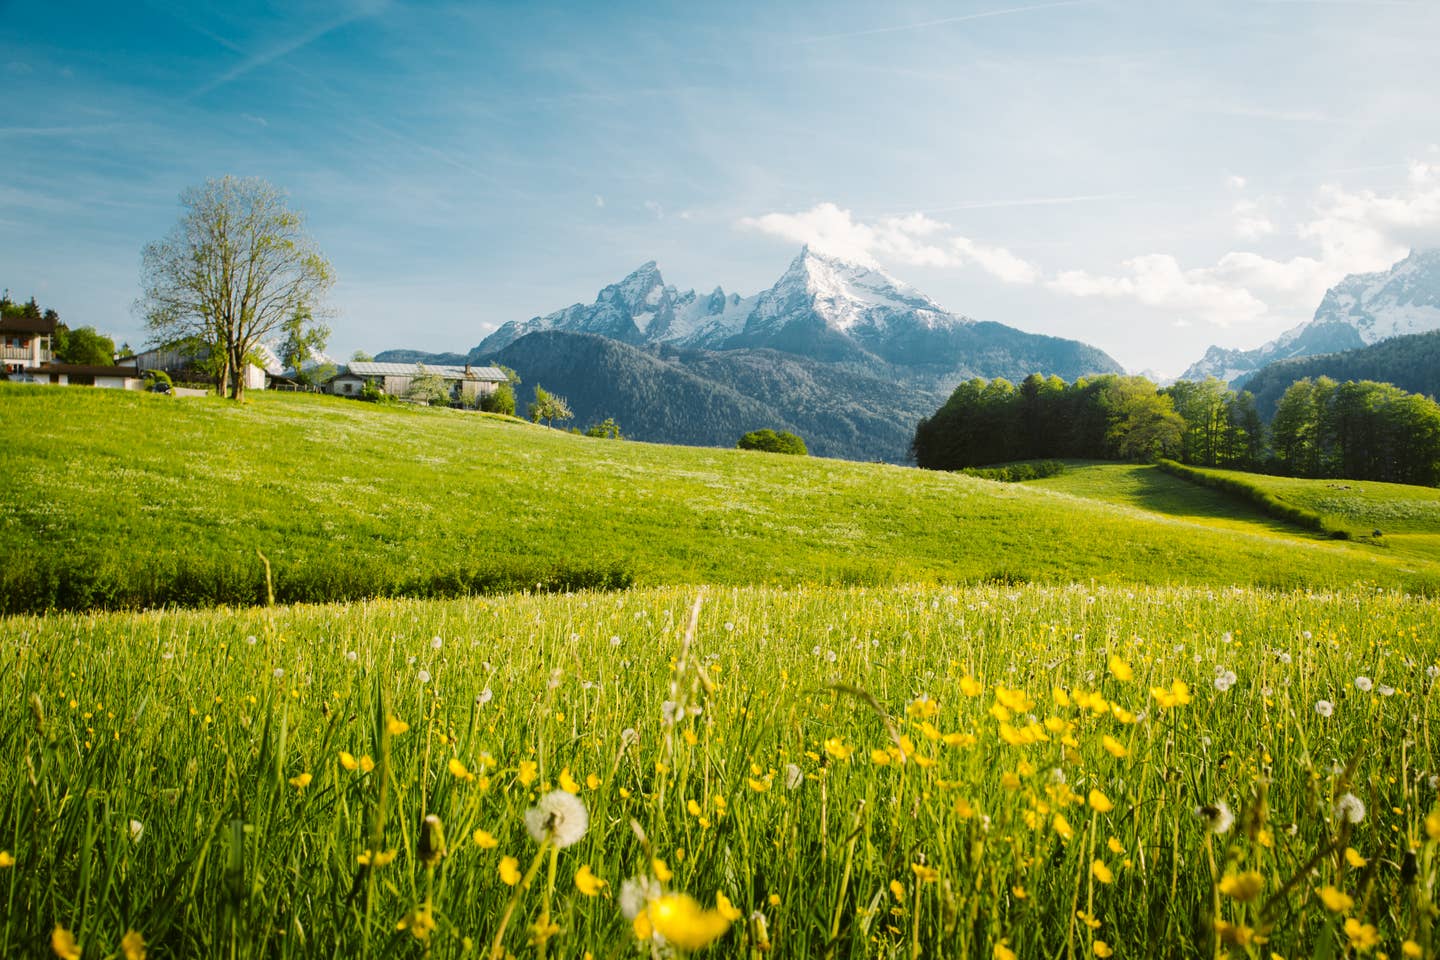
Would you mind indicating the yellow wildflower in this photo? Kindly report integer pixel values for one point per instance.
(301, 782)
(1002, 951)
(348, 761)
(1115, 845)
(1101, 872)
(837, 749)
(1242, 886)
(1234, 934)
(964, 809)
(1363, 936)
(1335, 901)
(509, 871)
(6, 859)
(1432, 825)
(1062, 826)
(970, 686)
(419, 922)
(1099, 802)
(1411, 949)
(485, 840)
(1178, 695)
(586, 881)
(1089, 919)
(725, 908)
(132, 945)
(683, 922)
(1120, 670)
(1352, 857)
(375, 859)
(62, 941)
(567, 782)
(527, 773)
(1102, 949)
(395, 726)
(662, 872)
(592, 782)
(925, 874)
(458, 771)
(366, 764)
(897, 890)
(922, 709)
(1061, 698)
(879, 757)
(760, 785)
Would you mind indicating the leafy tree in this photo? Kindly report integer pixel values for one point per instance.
(235, 268)
(549, 407)
(773, 442)
(607, 429)
(429, 388)
(304, 340)
(360, 356)
(500, 400)
(85, 345)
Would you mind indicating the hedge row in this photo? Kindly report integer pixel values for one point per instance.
(32, 586)
(1250, 493)
(1016, 472)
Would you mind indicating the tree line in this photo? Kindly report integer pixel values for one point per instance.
(82, 345)
(1357, 430)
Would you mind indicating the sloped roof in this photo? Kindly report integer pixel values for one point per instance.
(22, 324)
(369, 368)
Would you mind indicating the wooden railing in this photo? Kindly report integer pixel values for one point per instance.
(22, 353)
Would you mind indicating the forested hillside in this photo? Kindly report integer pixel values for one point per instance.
(1411, 363)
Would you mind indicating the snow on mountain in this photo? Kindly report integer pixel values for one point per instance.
(1362, 309)
(639, 309)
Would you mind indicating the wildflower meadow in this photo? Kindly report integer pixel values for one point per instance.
(990, 771)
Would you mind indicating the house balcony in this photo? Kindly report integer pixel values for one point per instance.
(23, 355)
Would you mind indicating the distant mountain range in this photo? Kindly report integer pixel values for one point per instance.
(1411, 363)
(841, 353)
(1362, 309)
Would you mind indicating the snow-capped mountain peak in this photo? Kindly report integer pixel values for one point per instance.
(1362, 309)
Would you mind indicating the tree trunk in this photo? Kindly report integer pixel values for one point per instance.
(237, 370)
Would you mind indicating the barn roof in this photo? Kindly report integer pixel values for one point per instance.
(369, 368)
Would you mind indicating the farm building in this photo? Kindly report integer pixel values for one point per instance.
(121, 376)
(182, 362)
(25, 342)
(467, 384)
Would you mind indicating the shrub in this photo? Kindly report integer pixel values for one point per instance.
(501, 401)
(1017, 472)
(772, 442)
(1267, 502)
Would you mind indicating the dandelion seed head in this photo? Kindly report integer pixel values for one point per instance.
(1350, 808)
(1216, 817)
(1364, 684)
(559, 815)
(423, 676)
(1324, 707)
(484, 696)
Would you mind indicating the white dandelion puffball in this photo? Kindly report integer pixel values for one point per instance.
(279, 672)
(1385, 691)
(1350, 808)
(615, 641)
(560, 816)
(636, 894)
(436, 643)
(1324, 707)
(352, 656)
(794, 776)
(251, 640)
(1217, 817)
(423, 676)
(667, 711)
(136, 830)
(484, 696)
(1225, 681)
(1363, 684)
(1432, 671)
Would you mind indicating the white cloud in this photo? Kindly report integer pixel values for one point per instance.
(1236, 181)
(655, 208)
(599, 200)
(1350, 231)
(913, 239)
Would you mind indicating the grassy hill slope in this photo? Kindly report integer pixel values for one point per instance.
(111, 499)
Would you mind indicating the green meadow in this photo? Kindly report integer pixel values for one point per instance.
(993, 771)
(583, 698)
(111, 500)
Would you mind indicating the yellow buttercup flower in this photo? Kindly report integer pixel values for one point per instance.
(132, 945)
(837, 749)
(1062, 826)
(509, 871)
(1335, 901)
(420, 922)
(348, 761)
(1101, 872)
(1432, 825)
(527, 773)
(1363, 936)
(1412, 949)
(366, 764)
(924, 873)
(458, 770)
(1177, 695)
(1102, 949)
(662, 872)
(1099, 802)
(485, 840)
(684, 922)
(1002, 951)
(1120, 670)
(301, 782)
(1242, 886)
(970, 686)
(1115, 845)
(63, 942)
(6, 859)
(897, 890)
(567, 782)
(1352, 857)
(374, 859)
(395, 726)
(586, 881)
(592, 781)
(725, 908)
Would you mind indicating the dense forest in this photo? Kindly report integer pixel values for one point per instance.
(1411, 363)
(1357, 430)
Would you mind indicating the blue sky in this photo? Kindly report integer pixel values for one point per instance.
(1148, 177)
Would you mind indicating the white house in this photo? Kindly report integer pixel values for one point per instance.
(467, 384)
